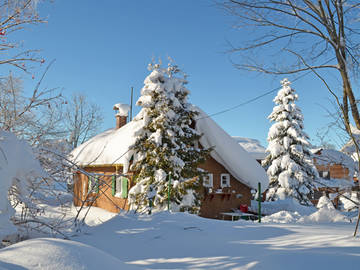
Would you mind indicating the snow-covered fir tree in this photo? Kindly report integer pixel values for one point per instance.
(290, 168)
(167, 144)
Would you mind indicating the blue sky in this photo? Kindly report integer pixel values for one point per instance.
(102, 48)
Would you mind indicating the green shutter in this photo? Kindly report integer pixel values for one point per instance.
(124, 187)
(113, 183)
(97, 184)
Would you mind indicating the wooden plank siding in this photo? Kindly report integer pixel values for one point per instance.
(336, 171)
(215, 203)
(103, 198)
(212, 205)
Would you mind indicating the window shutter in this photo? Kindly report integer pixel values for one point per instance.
(124, 187)
(97, 184)
(113, 182)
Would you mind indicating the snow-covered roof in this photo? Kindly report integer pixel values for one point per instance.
(331, 156)
(334, 183)
(252, 146)
(230, 154)
(109, 147)
(112, 147)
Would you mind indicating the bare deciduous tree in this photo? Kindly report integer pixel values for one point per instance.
(33, 118)
(82, 119)
(308, 32)
(16, 15)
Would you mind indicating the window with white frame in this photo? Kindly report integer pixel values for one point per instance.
(324, 174)
(208, 180)
(224, 180)
(120, 186)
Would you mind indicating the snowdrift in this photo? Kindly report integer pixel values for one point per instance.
(48, 253)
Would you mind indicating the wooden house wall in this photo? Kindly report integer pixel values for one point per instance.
(336, 171)
(103, 198)
(214, 203)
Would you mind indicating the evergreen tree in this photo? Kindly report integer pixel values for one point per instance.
(290, 168)
(166, 146)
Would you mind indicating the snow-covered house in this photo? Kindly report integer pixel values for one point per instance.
(253, 147)
(232, 172)
(333, 164)
(336, 171)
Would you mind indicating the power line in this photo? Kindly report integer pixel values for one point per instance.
(259, 96)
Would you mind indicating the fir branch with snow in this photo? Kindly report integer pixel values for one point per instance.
(290, 168)
(166, 145)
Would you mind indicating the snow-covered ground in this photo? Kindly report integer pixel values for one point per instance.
(183, 241)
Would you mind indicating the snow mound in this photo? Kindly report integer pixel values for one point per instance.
(289, 211)
(282, 217)
(48, 253)
(324, 215)
(93, 215)
(289, 205)
(325, 202)
(18, 166)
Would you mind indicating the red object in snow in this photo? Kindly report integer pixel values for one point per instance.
(244, 208)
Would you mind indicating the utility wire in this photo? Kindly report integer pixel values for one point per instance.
(259, 96)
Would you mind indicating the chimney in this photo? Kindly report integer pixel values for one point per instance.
(121, 115)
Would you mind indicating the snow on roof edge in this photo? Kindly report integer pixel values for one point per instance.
(229, 153)
(105, 148)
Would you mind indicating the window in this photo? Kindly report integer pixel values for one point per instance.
(120, 186)
(225, 180)
(208, 180)
(324, 174)
(93, 184)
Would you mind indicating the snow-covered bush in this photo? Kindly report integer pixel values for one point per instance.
(290, 168)
(353, 203)
(166, 146)
(325, 202)
(18, 169)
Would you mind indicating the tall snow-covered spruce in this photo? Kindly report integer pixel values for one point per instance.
(290, 168)
(166, 146)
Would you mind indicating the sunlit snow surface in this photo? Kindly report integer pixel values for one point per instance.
(183, 241)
